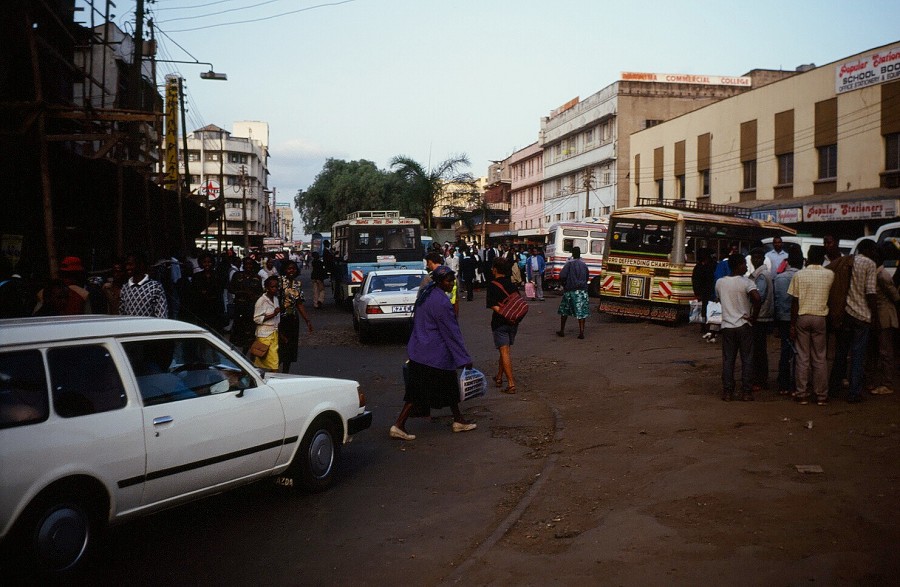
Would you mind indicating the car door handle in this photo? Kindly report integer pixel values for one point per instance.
(162, 420)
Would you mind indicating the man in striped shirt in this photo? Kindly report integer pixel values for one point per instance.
(142, 296)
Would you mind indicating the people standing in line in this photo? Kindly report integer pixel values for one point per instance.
(777, 258)
(703, 281)
(574, 278)
(142, 296)
(112, 287)
(783, 301)
(435, 350)
(762, 326)
(205, 300)
(832, 249)
(880, 364)
(809, 290)
(267, 316)
(503, 331)
(290, 292)
(536, 266)
(467, 268)
(740, 306)
(853, 331)
(246, 287)
(318, 276)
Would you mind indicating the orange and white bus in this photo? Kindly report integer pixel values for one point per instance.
(652, 249)
(588, 236)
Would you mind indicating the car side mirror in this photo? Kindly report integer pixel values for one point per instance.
(243, 383)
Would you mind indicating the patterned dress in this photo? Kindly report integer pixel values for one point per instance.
(290, 292)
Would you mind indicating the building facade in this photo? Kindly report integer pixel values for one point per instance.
(818, 151)
(586, 142)
(526, 169)
(233, 165)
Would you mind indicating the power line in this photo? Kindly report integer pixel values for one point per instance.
(262, 18)
(221, 11)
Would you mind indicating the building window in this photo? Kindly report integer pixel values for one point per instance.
(195, 179)
(679, 184)
(750, 174)
(651, 122)
(237, 157)
(786, 169)
(193, 155)
(606, 210)
(659, 189)
(571, 216)
(828, 162)
(559, 217)
(589, 136)
(892, 161)
(212, 155)
(704, 182)
(547, 219)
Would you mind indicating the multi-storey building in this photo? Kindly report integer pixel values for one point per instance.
(586, 143)
(526, 194)
(819, 151)
(234, 165)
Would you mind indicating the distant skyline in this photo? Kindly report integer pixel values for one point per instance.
(371, 79)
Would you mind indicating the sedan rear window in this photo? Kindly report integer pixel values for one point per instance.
(23, 389)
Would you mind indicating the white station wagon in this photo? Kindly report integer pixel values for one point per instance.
(104, 418)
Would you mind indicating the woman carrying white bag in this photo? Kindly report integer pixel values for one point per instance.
(436, 350)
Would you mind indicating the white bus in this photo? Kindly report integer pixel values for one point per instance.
(588, 236)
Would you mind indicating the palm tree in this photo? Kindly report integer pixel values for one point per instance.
(425, 188)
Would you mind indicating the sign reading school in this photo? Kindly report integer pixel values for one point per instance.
(875, 68)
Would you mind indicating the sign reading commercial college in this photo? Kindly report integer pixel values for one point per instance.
(850, 211)
(685, 78)
(875, 68)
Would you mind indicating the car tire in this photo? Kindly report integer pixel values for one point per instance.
(316, 460)
(58, 531)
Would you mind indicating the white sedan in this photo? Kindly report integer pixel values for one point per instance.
(386, 298)
(106, 418)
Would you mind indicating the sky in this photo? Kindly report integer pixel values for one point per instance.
(431, 79)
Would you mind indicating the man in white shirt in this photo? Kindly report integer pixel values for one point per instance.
(776, 257)
(740, 306)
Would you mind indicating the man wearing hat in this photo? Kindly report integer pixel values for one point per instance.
(71, 272)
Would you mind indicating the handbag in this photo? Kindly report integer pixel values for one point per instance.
(713, 313)
(696, 316)
(259, 348)
(514, 307)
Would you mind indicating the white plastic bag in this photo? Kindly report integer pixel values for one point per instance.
(713, 313)
(472, 383)
(696, 316)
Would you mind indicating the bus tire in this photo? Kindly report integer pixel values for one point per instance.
(594, 286)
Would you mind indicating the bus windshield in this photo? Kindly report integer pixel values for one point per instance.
(642, 236)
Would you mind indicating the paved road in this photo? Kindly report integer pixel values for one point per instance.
(615, 464)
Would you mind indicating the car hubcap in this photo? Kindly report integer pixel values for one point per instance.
(321, 454)
(62, 537)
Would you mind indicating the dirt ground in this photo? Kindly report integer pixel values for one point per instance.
(649, 478)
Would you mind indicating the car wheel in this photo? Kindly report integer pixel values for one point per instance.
(59, 530)
(314, 464)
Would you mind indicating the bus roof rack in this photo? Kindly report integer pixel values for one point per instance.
(373, 214)
(695, 206)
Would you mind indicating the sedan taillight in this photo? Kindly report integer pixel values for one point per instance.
(362, 397)
(373, 310)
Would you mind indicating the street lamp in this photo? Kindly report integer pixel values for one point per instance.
(211, 74)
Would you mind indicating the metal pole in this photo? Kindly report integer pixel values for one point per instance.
(221, 219)
(244, 208)
(186, 185)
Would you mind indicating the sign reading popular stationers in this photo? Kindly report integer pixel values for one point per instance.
(850, 211)
(872, 69)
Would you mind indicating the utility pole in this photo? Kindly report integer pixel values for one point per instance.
(221, 221)
(186, 185)
(137, 60)
(244, 208)
(588, 183)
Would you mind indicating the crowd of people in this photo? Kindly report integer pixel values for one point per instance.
(827, 307)
(226, 294)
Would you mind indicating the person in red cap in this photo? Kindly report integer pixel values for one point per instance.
(71, 272)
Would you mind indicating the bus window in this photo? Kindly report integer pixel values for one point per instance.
(597, 246)
(362, 239)
(400, 237)
(651, 237)
(568, 243)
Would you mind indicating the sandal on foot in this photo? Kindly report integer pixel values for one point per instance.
(560, 333)
(510, 390)
(498, 381)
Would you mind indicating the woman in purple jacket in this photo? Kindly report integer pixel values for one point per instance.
(436, 350)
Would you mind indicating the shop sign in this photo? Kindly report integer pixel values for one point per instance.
(866, 210)
(781, 215)
(234, 214)
(869, 70)
(686, 78)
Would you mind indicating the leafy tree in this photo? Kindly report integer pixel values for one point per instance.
(343, 187)
(424, 189)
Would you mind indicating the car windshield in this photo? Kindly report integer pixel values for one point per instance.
(394, 283)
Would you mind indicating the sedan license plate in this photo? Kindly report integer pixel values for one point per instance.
(401, 309)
